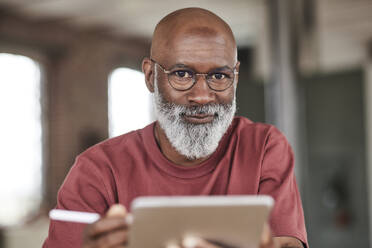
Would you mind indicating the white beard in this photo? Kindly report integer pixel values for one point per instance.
(193, 140)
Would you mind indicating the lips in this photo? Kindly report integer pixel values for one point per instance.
(199, 118)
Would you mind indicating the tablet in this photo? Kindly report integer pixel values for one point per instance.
(236, 221)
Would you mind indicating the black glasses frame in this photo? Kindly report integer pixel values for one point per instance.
(194, 78)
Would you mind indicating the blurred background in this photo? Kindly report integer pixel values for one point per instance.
(70, 77)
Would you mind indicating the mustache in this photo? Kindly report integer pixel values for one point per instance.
(173, 109)
(205, 109)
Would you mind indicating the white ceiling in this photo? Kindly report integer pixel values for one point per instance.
(344, 32)
(343, 27)
(138, 18)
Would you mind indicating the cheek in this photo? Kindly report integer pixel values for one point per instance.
(168, 93)
(226, 96)
(162, 83)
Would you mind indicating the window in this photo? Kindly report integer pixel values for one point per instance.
(130, 102)
(20, 143)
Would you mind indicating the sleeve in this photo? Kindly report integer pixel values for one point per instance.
(278, 180)
(83, 190)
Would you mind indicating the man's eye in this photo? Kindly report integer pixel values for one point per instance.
(183, 74)
(218, 76)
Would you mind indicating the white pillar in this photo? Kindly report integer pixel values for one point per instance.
(368, 127)
(283, 104)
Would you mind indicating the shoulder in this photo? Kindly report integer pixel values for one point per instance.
(108, 152)
(245, 127)
(119, 143)
(255, 137)
(101, 165)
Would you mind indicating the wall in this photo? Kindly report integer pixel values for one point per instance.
(336, 207)
(76, 65)
(250, 90)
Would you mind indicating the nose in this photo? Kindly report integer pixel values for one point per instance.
(200, 93)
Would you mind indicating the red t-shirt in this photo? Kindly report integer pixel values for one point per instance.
(252, 158)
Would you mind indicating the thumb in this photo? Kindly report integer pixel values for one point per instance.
(267, 240)
(117, 210)
(195, 242)
(266, 235)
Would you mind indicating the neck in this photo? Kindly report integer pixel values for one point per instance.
(170, 152)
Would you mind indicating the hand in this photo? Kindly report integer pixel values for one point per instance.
(193, 242)
(109, 231)
(267, 241)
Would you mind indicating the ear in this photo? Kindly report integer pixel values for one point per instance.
(237, 69)
(147, 69)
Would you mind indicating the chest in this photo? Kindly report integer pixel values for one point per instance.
(226, 178)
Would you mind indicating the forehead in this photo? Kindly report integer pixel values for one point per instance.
(199, 47)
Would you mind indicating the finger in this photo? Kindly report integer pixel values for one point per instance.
(267, 240)
(95, 245)
(196, 242)
(105, 225)
(266, 234)
(173, 245)
(112, 239)
(117, 210)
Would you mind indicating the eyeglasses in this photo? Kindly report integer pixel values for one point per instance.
(183, 79)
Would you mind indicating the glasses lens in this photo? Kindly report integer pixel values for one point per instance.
(220, 80)
(184, 79)
(181, 79)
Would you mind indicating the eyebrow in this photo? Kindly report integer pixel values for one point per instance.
(180, 66)
(188, 67)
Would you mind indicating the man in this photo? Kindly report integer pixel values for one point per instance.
(196, 147)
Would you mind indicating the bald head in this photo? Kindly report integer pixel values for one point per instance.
(184, 24)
